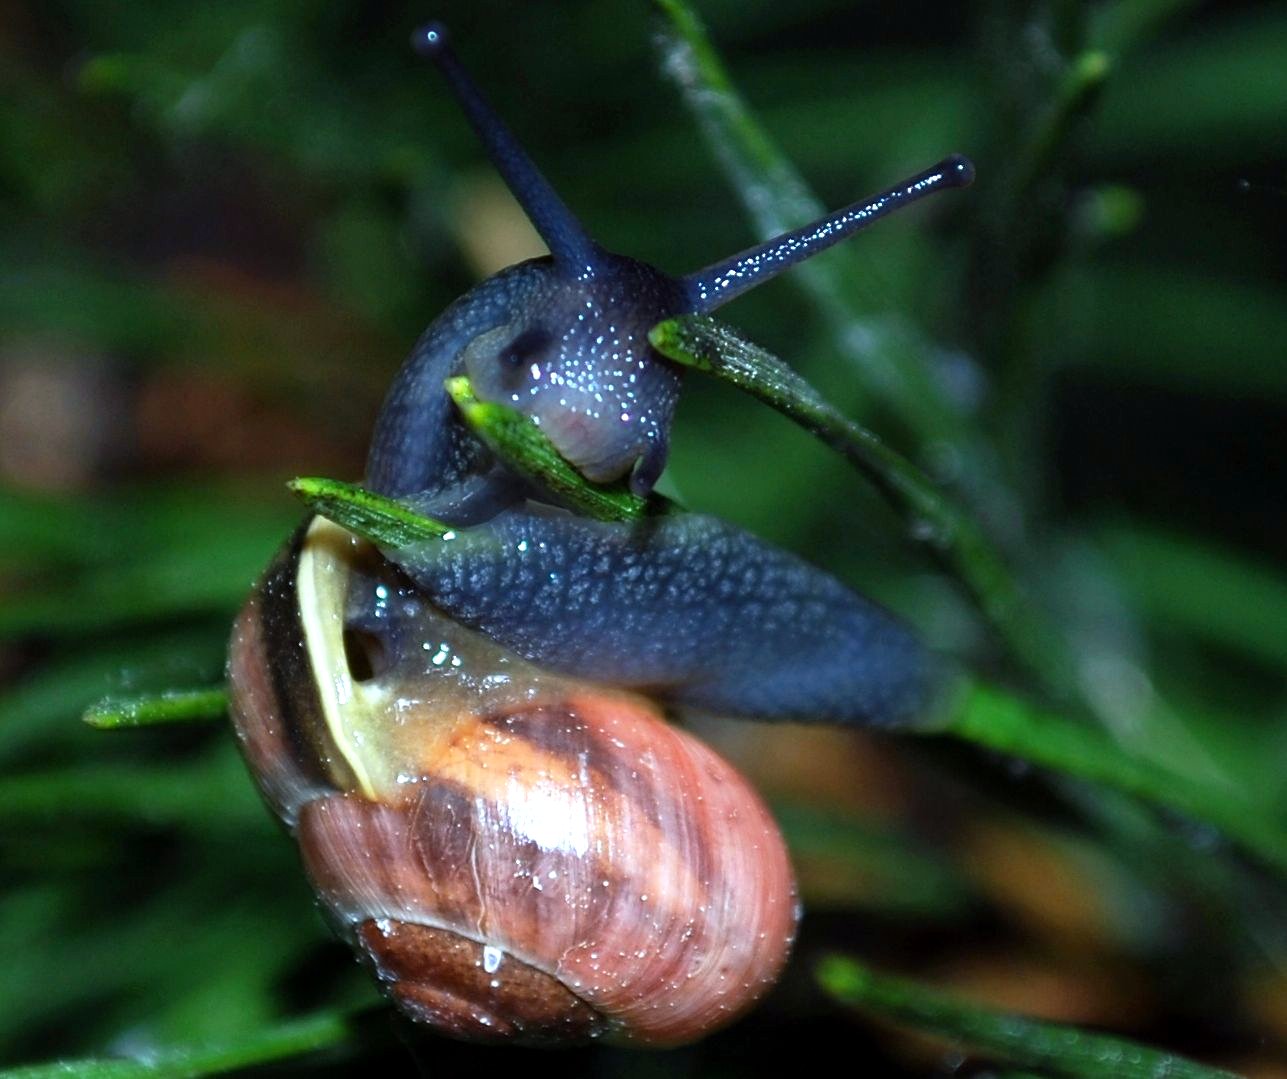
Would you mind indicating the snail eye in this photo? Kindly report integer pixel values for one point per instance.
(523, 350)
(366, 653)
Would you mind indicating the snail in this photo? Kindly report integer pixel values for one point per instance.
(470, 737)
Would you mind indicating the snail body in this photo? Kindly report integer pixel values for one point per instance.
(469, 737)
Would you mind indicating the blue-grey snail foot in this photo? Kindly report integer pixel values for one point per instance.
(687, 608)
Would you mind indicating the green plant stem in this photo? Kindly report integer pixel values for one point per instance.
(1229, 599)
(949, 532)
(525, 449)
(1119, 27)
(1073, 98)
(171, 706)
(381, 520)
(291, 1039)
(1016, 1039)
(991, 717)
(35, 707)
(890, 360)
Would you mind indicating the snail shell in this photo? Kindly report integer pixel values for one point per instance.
(514, 854)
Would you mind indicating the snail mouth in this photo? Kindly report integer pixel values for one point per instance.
(469, 990)
(601, 450)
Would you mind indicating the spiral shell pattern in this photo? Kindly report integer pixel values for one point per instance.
(514, 855)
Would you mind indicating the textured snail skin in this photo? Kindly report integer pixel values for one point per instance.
(571, 352)
(516, 855)
(690, 611)
(688, 608)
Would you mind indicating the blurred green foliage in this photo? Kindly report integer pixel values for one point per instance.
(221, 227)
